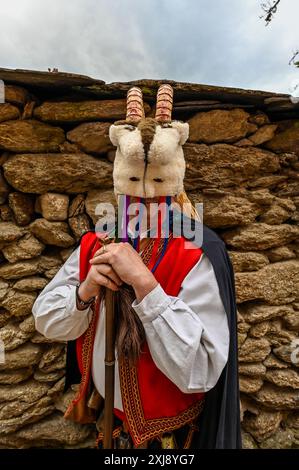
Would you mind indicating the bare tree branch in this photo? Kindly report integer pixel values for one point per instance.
(270, 8)
(292, 60)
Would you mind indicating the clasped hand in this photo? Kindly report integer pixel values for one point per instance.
(117, 264)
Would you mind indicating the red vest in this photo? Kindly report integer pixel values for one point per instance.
(151, 401)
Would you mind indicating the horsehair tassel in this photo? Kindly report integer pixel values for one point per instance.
(164, 103)
(121, 219)
(126, 217)
(136, 242)
(163, 199)
(158, 237)
(135, 109)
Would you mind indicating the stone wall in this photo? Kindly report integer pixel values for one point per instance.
(56, 165)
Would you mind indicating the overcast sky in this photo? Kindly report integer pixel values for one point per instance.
(217, 42)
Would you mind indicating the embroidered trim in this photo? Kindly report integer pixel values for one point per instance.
(142, 429)
(74, 410)
(188, 442)
(116, 433)
(87, 349)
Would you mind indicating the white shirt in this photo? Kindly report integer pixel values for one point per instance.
(187, 335)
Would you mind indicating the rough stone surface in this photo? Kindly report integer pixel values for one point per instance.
(263, 425)
(26, 247)
(15, 94)
(250, 384)
(95, 198)
(279, 212)
(24, 356)
(260, 329)
(4, 189)
(223, 165)
(38, 410)
(276, 283)
(13, 377)
(48, 377)
(263, 134)
(92, 137)
(252, 369)
(30, 136)
(52, 233)
(283, 378)
(8, 112)
(287, 140)
(288, 353)
(54, 206)
(12, 336)
(31, 283)
(229, 211)
(19, 303)
(282, 439)
(77, 206)
(272, 362)
(255, 313)
(260, 236)
(277, 398)
(9, 232)
(70, 173)
(79, 225)
(247, 441)
(4, 287)
(254, 350)
(66, 111)
(4, 316)
(53, 432)
(242, 165)
(247, 261)
(291, 321)
(19, 269)
(280, 253)
(53, 353)
(220, 126)
(22, 207)
(28, 324)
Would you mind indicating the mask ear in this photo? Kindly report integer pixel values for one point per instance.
(183, 130)
(115, 133)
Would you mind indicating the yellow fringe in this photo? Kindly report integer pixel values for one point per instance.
(187, 206)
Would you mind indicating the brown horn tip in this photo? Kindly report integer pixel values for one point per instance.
(164, 103)
(135, 110)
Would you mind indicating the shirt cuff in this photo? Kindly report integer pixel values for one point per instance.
(152, 305)
(71, 306)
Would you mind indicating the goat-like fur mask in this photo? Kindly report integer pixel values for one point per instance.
(149, 158)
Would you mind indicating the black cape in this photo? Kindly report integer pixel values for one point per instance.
(219, 422)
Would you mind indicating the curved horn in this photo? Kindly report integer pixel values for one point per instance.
(135, 110)
(164, 103)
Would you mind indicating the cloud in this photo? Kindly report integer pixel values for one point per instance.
(220, 42)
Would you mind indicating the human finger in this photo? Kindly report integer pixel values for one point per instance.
(108, 271)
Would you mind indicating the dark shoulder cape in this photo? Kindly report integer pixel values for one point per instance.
(219, 424)
(220, 420)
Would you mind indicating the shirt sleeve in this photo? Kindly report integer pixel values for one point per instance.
(55, 310)
(188, 335)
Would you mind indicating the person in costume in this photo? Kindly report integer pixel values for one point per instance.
(176, 375)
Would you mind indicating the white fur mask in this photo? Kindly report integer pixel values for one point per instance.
(160, 170)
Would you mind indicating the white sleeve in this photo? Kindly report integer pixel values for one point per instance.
(188, 335)
(55, 311)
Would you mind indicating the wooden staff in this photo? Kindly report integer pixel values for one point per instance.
(109, 369)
